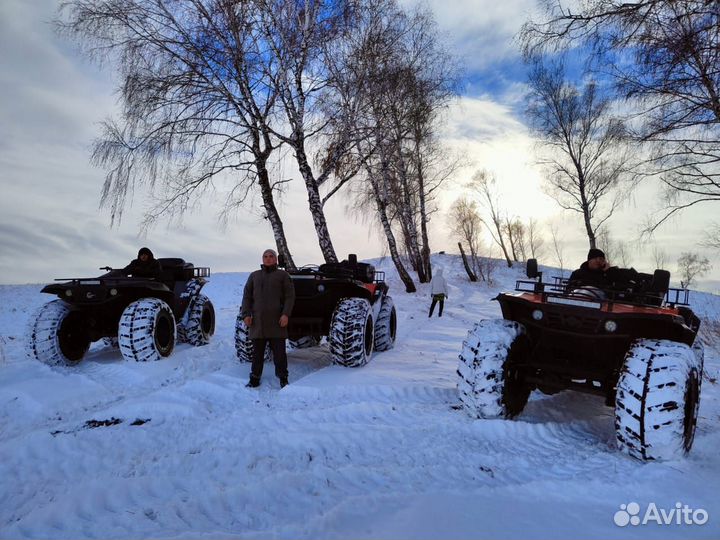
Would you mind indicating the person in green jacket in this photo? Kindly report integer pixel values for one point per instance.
(268, 300)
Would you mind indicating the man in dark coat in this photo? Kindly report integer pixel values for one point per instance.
(597, 272)
(146, 265)
(268, 300)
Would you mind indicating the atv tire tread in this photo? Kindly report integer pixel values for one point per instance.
(481, 384)
(43, 342)
(385, 326)
(138, 327)
(243, 344)
(198, 325)
(348, 327)
(650, 412)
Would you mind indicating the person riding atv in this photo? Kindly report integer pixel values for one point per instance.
(146, 265)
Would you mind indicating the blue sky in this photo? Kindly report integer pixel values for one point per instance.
(53, 99)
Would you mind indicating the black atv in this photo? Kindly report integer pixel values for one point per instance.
(143, 316)
(635, 345)
(347, 301)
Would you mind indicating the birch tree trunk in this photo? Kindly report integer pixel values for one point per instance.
(272, 215)
(408, 218)
(586, 212)
(381, 204)
(469, 271)
(315, 204)
(425, 249)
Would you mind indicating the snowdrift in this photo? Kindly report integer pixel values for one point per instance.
(181, 449)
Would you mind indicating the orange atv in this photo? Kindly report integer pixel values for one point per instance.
(635, 346)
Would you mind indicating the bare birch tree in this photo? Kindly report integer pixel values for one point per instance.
(300, 38)
(389, 92)
(624, 254)
(535, 240)
(692, 265)
(361, 90)
(433, 88)
(711, 236)
(195, 101)
(586, 160)
(663, 56)
(420, 86)
(484, 184)
(558, 247)
(466, 226)
(607, 243)
(659, 256)
(516, 234)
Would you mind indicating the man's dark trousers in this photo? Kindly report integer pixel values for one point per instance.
(277, 346)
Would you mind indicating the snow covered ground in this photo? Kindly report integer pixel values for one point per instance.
(380, 451)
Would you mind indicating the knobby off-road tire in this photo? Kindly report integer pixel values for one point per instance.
(147, 330)
(244, 345)
(657, 399)
(198, 324)
(699, 351)
(304, 342)
(57, 335)
(386, 325)
(489, 385)
(351, 332)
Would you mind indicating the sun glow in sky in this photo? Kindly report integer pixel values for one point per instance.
(53, 100)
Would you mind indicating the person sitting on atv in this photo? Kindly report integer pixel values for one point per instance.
(597, 273)
(146, 265)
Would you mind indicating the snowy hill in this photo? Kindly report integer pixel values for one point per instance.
(380, 451)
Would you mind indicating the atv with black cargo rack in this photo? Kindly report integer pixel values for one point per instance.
(142, 315)
(636, 346)
(347, 301)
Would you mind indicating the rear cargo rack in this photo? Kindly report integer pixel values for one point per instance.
(558, 289)
(201, 271)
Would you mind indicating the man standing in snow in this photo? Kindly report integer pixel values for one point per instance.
(438, 291)
(268, 300)
(146, 265)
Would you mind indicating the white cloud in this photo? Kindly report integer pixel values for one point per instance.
(481, 32)
(52, 100)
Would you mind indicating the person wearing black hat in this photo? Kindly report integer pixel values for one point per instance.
(146, 265)
(597, 272)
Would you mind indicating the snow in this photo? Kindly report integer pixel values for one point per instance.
(380, 451)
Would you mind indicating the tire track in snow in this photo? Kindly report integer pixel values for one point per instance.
(294, 452)
(221, 460)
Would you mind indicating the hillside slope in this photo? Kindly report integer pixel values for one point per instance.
(376, 452)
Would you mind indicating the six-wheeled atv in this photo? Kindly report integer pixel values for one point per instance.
(145, 315)
(347, 301)
(635, 346)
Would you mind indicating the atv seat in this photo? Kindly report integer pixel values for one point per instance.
(174, 269)
(658, 287)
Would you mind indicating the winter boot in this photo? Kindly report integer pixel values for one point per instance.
(283, 382)
(253, 382)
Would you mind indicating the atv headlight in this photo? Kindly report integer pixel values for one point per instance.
(610, 326)
(537, 315)
(321, 288)
(68, 293)
(113, 292)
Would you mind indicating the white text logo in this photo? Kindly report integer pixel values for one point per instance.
(680, 514)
